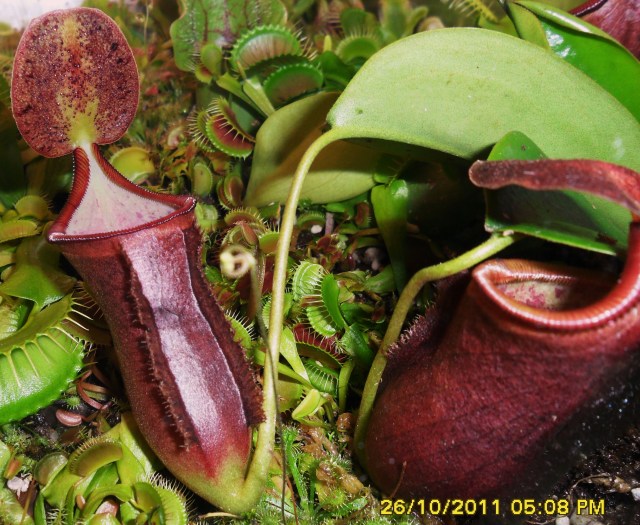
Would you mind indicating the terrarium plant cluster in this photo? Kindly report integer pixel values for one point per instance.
(270, 262)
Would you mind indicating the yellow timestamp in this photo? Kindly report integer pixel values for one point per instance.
(492, 507)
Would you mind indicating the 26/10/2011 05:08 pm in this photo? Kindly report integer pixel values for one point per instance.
(484, 507)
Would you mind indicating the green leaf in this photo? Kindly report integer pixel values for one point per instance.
(382, 282)
(289, 351)
(340, 172)
(134, 447)
(343, 383)
(322, 378)
(335, 71)
(312, 402)
(516, 145)
(36, 276)
(11, 511)
(355, 344)
(306, 279)
(565, 5)
(390, 207)
(134, 163)
(102, 519)
(290, 389)
(13, 183)
(504, 25)
(586, 47)
(48, 467)
(330, 295)
(40, 511)
(95, 455)
(463, 89)
(527, 25)
(219, 22)
(120, 492)
(146, 496)
(566, 217)
(5, 456)
(398, 19)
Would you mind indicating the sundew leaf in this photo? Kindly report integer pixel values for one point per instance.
(343, 170)
(588, 48)
(566, 217)
(218, 22)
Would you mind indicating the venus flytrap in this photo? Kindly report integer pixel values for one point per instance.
(113, 467)
(46, 319)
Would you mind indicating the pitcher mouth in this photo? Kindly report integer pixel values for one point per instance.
(554, 296)
(104, 204)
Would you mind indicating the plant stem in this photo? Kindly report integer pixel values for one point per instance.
(276, 318)
(258, 470)
(254, 90)
(491, 246)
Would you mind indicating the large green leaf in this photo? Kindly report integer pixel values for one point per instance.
(584, 46)
(461, 90)
(341, 171)
(567, 217)
(218, 22)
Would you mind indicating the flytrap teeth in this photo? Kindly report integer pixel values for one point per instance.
(262, 44)
(292, 81)
(224, 132)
